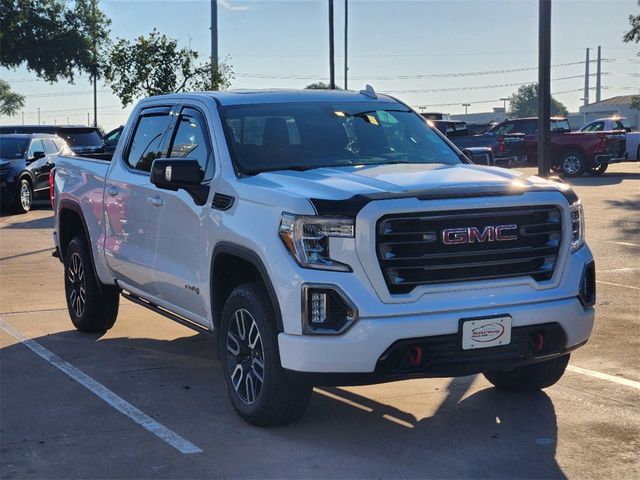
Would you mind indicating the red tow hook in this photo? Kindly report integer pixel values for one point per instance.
(414, 355)
(538, 344)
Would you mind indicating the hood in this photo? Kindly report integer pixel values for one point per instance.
(394, 180)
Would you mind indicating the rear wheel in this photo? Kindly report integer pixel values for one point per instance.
(92, 307)
(255, 380)
(529, 377)
(598, 169)
(572, 164)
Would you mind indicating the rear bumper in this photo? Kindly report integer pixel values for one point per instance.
(610, 158)
(361, 351)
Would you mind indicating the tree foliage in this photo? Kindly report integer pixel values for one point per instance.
(10, 102)
(155, 65)
(53, 38)
(524, 103)
(633, 35)
(320, 86)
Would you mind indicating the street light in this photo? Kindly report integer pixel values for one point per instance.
(504, 104)
(466, 105)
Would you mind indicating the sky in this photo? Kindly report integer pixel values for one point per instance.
(401, 47)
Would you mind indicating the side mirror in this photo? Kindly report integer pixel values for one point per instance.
(175, 174)
(479, 155)
(38, 155)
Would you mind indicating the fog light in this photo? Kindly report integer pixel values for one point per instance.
(326, 310)
(587, 292)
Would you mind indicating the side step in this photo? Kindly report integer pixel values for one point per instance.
(166, 313)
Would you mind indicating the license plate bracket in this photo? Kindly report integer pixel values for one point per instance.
(485, 332)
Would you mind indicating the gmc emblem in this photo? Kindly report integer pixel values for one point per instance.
(490, 233)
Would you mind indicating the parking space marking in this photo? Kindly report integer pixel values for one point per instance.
(626, 244)
(625, 269)
(603, 376)
(618, 285)
(115, 401)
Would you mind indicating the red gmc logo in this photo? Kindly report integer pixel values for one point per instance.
(490, 233)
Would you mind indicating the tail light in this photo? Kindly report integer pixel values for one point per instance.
(52, 176)
(603, 142)
(501, 145)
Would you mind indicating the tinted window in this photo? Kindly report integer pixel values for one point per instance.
(560, 126)
(504, 128)
(311, 135)
(113, 137)
(13, 147)
(81, 137)
(191, 138)
(147, 140)
(49, 146)
(36, 146)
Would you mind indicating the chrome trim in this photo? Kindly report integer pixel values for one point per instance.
(306, 329)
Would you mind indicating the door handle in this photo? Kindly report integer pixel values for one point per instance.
(112, 190)
(155, 200)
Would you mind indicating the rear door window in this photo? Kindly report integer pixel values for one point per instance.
(191, 140)
(146, 144)
(36, 146)
(50, 147)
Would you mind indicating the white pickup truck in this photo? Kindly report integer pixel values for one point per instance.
(327, 238)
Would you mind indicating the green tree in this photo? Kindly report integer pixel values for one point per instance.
(319, 86)
(56, 39)
(633, 35)
(524, 103)
(10, 102)
(155, 65)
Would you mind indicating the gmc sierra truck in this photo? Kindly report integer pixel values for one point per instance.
(327, 238)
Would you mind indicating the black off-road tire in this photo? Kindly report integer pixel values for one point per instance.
(529, 377)
(24, 197)
(598, 169)
(92, 307)
(277, 401)
(572, 164)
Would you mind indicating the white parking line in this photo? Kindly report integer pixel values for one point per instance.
(625, 269)
(115, 401)
(627, 244)
(604, 376)
(618, 285)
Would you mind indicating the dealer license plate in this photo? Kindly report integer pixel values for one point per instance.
(486, 332)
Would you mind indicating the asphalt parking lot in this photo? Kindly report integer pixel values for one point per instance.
(62, 393)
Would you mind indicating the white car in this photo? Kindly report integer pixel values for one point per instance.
(614, 124)
(328, 238)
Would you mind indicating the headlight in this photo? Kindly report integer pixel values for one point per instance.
(307, 239)
(577, 226)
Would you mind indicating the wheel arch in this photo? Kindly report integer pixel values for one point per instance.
(234, 265)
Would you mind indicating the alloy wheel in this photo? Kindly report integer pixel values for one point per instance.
(245, 356)
(571, 164)
(25, 196)
(77, 292)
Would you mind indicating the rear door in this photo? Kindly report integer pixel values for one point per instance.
(37, 166)
(179, 227)
(130, 200)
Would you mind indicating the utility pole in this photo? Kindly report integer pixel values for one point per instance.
(67, 121)
(504, 104)
(95, 66)
(22, 118)
(38, 115)
(332, 65)
(214, 40)
(88, 120)
(346, 23)
(586, 80)
(544, 85)
(598, 75)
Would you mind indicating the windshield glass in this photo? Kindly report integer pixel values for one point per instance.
(13, 147)
(78, 137)
(302, 136)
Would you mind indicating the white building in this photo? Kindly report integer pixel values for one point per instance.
(615, 106)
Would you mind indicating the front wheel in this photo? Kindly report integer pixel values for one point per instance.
(598, 169)
(572, 164)
(529, 377)
(255, 380)
(92, 307)
(24, 197)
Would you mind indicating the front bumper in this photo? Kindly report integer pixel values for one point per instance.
(360, 349)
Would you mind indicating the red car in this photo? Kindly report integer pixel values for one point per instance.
(572, 153)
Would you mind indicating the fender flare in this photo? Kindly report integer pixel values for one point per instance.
(254, 259)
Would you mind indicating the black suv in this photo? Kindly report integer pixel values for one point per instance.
(25, 163)
(82, 140)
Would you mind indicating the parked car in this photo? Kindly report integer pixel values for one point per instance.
(508, 150)
(25, 163)
(82, 140)
(617, 124)
(329, 238)
(111, 139)
(572, 153)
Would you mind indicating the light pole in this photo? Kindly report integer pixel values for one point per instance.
(544, 85)
(504, 104)
(38, 115)
(346, 22)
(466, 105)
(214, 40)
(332, 66)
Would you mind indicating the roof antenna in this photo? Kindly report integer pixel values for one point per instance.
(369, 91)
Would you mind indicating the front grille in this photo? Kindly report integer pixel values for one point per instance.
(411, 250)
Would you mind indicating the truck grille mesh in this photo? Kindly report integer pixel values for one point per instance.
(411, 250)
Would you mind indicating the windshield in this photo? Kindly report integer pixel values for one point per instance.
(82, 137)
(303, 136)
(13, 147)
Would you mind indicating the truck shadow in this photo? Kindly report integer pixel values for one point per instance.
(464, 432)
(609, 178)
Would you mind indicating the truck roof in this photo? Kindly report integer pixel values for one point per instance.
(247, 97)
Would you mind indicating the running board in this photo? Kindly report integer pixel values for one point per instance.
(166, 313)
